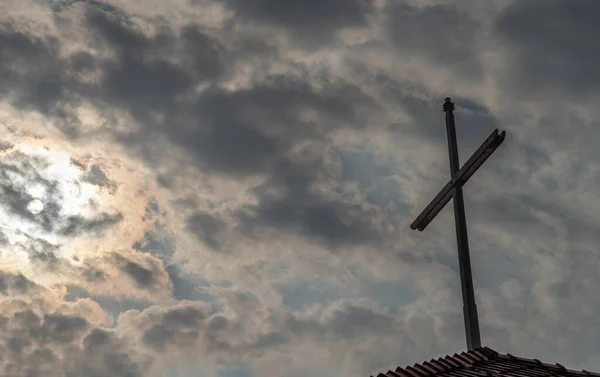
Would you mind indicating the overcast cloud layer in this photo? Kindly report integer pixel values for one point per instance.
(228, 185)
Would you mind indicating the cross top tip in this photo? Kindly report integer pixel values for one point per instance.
(448, 105)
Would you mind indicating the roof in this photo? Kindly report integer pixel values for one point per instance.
(485, 362)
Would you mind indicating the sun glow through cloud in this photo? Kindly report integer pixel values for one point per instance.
(51, 177)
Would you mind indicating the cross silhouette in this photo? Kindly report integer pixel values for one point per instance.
(453, 189)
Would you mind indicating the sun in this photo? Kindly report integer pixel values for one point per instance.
(35, 206)
(63, 206)
(44, 197)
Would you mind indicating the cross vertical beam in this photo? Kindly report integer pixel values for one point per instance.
(464, 259)
(453, 189)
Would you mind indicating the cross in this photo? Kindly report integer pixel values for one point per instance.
(453, 189)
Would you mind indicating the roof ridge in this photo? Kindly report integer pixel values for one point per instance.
(444, 364)
(557, 368)
(474, 363)
(478, 357)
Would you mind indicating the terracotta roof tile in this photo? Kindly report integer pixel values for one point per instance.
(485, 362)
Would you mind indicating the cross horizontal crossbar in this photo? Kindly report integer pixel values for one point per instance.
(468, 169)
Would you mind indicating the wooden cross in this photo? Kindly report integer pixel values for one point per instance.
(453, 189)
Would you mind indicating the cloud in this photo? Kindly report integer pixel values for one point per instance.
(43, 334)
(554, 53)
(41, 237)
(39, 337)
(77, 224)
(230, 184)
(97, 177)
(330, 220)
(444, 35)
(125, 274)
(311, 22)
(207, 228)
(175, 326)
(102, 354)
(15, 283)
(238, 135)
(156, 243)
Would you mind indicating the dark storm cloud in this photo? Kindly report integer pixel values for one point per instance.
(15, 283)
(163, 247)
(351, 321)
(296, 208)
(20, 49)
(250, 131)
(154, 242)
(440, 33)
(427, 117)
(48, 84)
(41, 252)
(342, 320)
(310, 21)
(92, 274)
(186, 324)
(578, 229)
(142, 78)
(555, 45)
(205, 58)
(157, 244)
(176, 326)
(96, 176)
(242, 132)
(207, 229)
(186, 287)
(112, 305)
(26, 334)
(153, 210)
(36, 345)
(59, 5)
(332, 222)
(78, 164)
(216, 122)
(143, 276)
(102, 354)
(52, 84)
(541, 215)
(61, 328)
(6, 146)
(76, 225)
(40, 340)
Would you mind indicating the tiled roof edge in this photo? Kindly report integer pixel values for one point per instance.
(472, 358)
(557, 368)
(444, 365)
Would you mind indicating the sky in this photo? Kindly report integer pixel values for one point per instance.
(228, 184)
